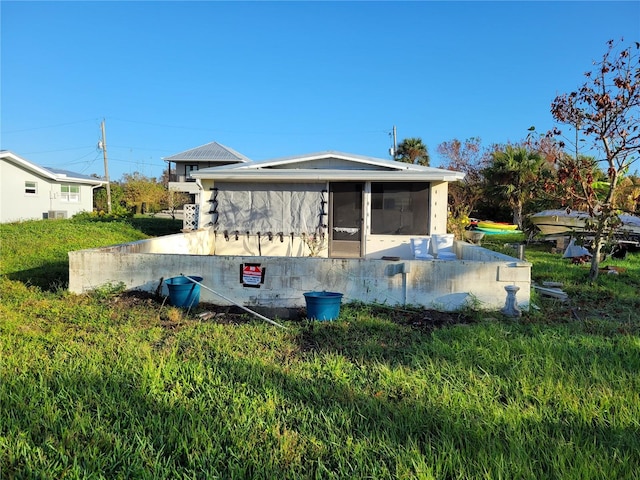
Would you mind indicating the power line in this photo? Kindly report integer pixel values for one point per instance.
(160, 163)
(206, 129)
(278, 132)
(160, 124)
(77, 160)
(90, 163)
(58, 150)
(119, 160)
(139, 148)
(48, 126)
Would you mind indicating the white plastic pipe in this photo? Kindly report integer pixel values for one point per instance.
(262, 317)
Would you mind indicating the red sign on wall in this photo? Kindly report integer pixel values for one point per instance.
(252, 275)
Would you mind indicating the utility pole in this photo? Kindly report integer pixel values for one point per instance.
(395, 143)
(103, 145)
(394, 148)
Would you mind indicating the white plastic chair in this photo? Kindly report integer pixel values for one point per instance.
(442, 246)
(420, 248)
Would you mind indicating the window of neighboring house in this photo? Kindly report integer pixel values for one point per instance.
(400, 208)
(69, 193)
(30, 188)
(190, 168)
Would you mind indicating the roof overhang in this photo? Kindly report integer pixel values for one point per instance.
(320, 175)
(47, 173)
(353, 168)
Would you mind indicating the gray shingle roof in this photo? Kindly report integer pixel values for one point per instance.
(211, 152)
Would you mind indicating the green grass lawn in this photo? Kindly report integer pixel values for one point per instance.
(612, 302)
(102, 386)
(36, 252)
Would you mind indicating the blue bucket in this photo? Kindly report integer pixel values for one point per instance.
(323, 305)
(183, 292)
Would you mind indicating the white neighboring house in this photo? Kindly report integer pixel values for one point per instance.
(29, 191)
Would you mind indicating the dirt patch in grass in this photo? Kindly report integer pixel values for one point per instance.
(420, 319)
(426, 320)
(172, 317)
(136, 299)
(432, 319)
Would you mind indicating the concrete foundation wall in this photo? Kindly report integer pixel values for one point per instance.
(478, 278)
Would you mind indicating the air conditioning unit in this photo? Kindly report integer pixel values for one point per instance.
(57, 214)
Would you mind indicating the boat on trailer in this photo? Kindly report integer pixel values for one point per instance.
(568, 222)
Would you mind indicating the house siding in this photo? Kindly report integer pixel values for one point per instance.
(15, 204)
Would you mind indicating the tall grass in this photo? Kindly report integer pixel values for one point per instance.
(97, 386)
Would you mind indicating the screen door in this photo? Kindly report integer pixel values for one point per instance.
(345, 221)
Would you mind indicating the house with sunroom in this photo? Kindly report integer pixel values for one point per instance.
(331, 204)
(266, 232)
(29, 191)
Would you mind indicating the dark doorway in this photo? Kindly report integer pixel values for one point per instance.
(346, 220)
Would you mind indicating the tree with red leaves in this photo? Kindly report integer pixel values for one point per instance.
(606, 111)
(469, 158)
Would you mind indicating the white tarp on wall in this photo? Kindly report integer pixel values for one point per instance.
(254, 207)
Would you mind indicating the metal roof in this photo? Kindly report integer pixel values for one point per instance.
(55, 174)
(332, 154)
(210, 152)
(309, 168)
(59, 173)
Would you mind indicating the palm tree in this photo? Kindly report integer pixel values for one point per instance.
(628, 194)
(512, 176)
(412, 150)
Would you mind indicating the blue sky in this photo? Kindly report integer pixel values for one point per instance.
(273, 79)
